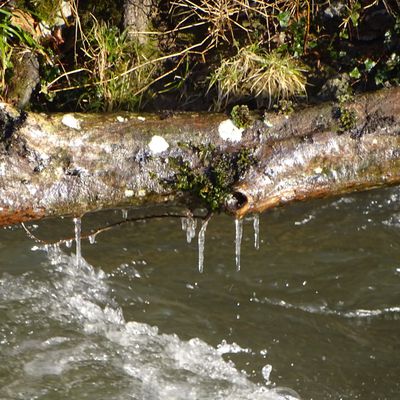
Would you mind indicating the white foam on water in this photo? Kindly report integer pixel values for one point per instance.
(324, 310)
(224, 348)
(266, 372)
(98, 343)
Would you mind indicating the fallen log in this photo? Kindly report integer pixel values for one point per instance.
(72, 164)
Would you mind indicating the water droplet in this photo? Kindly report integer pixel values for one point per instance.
(124, 213)
(92, 239)
(68, 243)
(238, 241)
(78, 255)
(201, 241)
(256, 226)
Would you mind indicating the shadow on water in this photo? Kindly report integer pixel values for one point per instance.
(316, 308)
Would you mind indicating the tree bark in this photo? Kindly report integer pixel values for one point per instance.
(137, 18)
(53, 165)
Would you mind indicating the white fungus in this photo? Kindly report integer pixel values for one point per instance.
(318, 170)
(70, 121)
(158, 144)
(129, 193)
(229, 131)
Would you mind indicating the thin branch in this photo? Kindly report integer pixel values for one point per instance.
(65, 74)
(135, 68)
(92, 235)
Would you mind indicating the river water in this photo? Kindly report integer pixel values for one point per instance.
(314, 313)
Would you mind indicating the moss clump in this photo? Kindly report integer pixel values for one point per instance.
(214, 177)
(347, 119)
(241, 116)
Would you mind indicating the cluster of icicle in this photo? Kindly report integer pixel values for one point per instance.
(189, 225)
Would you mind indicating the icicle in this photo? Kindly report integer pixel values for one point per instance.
(201, 241)
(256, 226)
(191, 229)
(77, 222)
(92, 238)
(189, 225)
(238, 241)
(184, 221)
(124, 213)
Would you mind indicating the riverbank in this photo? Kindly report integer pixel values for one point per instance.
(201, 55)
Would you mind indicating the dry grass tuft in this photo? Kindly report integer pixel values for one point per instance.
(261, 75)
(119, 69)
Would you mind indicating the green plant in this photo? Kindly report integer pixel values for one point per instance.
(221, 17)
(119, 69)
(259, 74)
(213, 179)
(12, 38)
(347, 119)
(350, 18)
(48, 12)
(240, 116)
(7, 32)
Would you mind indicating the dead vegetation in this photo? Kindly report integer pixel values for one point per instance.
(194, 53)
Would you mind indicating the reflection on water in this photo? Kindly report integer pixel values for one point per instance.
(315, 309)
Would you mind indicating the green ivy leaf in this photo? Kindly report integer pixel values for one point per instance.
(284, 18)
(355, 73)
(369, 64)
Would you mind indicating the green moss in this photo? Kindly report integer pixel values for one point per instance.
(347, 120)
(240, 115)
(213, 179)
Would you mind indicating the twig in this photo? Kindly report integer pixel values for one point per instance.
(135, 68)
(108, 227)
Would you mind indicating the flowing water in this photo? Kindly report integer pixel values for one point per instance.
(314, 313)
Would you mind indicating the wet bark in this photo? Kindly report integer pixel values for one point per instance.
(53, 165)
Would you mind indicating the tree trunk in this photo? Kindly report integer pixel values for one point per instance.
(137, 17)
(53, 165)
